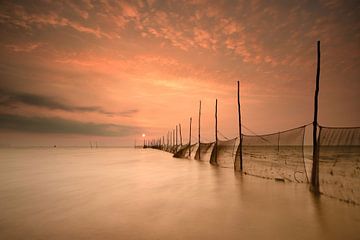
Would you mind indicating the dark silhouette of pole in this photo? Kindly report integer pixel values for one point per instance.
(216, 136)
(315, 167)
(176, 139)
(190, 138)
(240, 133)
(180, 134)
(199, 129)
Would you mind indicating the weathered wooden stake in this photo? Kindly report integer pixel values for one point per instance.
(180, 134)
(315, 167)
(199, 129)
(240, 133)
(190, 138)
(176, 138)
(216, 132)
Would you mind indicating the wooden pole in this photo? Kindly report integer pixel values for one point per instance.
(176, 139)
(216, 132)
(190, 138)
(315, 167)
(240, 133)
(199, 128)
(180, 134)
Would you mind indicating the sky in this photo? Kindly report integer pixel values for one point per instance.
(75, 72)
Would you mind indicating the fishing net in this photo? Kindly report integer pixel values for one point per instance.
(203, 152)
(339, 163)
(185, 151)
(174, 148)
(276, 156)
(224, 153)
(193, 150)
(167, 148)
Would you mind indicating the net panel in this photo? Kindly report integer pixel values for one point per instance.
(183, 152)
(204, 150)
(193, 150)
(275, 156)
(174, 149)
(339, 163)
(224, 154)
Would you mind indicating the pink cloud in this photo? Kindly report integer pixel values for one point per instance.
(28, 47)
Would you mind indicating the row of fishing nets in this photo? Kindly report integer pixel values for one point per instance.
(339, 163)
(275, 156)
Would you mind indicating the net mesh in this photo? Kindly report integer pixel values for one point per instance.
(224, 153)
(185, 151)
(339, 163)
(275, 156)
(174, 149)
(204, 150)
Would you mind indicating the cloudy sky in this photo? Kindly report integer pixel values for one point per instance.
(107, 71)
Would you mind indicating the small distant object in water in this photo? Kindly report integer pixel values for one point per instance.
(279, 180)
(54, 146)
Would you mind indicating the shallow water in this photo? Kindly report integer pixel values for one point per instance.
(113, 193)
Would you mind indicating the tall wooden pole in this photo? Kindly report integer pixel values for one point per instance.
(315, 167)
(180, 134)
(199, 128)
(216, 132)
(240, 133)
(190, 138)
(176, 136)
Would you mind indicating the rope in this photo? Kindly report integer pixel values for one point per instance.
(255, 133)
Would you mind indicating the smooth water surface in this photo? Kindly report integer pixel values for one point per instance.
(114, 193)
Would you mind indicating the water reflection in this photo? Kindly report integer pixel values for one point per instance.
(147, 194)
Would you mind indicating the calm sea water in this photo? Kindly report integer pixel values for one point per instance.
(112, 193)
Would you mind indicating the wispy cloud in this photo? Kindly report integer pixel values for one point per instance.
(27, 47)
(12, 99)
(63, 126)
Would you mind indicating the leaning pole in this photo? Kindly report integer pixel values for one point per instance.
(315, 167)
(180, 134)
(240, 133)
